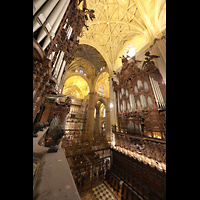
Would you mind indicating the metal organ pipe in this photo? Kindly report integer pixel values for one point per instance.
(42, 15)
(58, 64)
(47, 26)
(161, 97)
(155, 94)
(118, 101)
(60, 73)
(52, 33)
(159, 93)
(154, 84)
(37, 4)
(54, 65)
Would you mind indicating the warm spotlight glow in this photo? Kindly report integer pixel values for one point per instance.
(129, 51)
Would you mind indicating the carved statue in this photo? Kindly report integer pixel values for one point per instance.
(91, 14)
(124, 59)
(135, 61)
(149, 59)
(39, 127)
(53, 137)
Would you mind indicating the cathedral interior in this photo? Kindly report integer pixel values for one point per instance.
(99, 99)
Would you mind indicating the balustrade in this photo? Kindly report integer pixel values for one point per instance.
(151, 152)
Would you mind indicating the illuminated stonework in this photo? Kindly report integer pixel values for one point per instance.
(103, 81)
(118, 23)
(76, 86)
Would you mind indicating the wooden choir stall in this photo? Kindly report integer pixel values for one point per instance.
(138, 156)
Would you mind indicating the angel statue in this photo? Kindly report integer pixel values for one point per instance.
(149, 59)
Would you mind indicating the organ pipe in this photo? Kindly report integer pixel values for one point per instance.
(42, 15)
(37, 4)
(52, 33)
(58, 64)
(47, 26)
(54, 65)
(161, 97)
(61, 72)
(157, 93)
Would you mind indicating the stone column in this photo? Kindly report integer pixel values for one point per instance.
(90, 118)
(97, 125)
(107, 125)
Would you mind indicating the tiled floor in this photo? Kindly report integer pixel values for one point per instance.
(101, 192)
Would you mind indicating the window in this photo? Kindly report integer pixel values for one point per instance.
(129, 51)
(100, 89)
(104, 112)
(76, 70)
(81, 71)
(84, 74)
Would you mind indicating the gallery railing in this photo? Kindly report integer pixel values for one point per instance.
(147, 150)
(52, 178)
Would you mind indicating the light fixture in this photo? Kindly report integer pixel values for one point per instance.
(111, 105)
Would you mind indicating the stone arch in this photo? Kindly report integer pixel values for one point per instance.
(103, 80)
(76, 86)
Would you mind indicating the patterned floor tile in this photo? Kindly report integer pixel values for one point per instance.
(101, 192)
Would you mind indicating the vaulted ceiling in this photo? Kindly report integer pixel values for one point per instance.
(119, 23)
(118, 26)
(89, 60)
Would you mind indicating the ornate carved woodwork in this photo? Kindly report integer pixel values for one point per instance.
(41, 77)
(139, 154)
(43, 80)
(59, 109)
(140, 98)
(136, 179)
(75, 18)
(148, 151)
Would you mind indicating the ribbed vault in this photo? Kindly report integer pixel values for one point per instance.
(76, 86)
(119, 23)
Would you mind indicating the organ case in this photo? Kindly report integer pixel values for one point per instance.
(140, 99)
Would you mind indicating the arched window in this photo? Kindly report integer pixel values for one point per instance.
(100, 89)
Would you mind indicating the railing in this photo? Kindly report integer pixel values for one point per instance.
(146, 150)
(85, 148)
(143, 134)
(52, 178)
